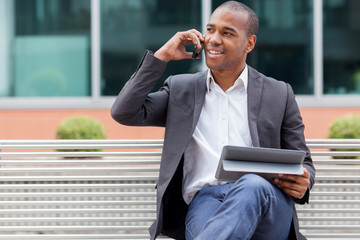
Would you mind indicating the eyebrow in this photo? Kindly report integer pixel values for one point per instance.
(230, 29)
(226, 28)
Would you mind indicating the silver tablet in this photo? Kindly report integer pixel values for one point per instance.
(236, 161)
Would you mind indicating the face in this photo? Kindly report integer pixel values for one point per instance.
(226, 41)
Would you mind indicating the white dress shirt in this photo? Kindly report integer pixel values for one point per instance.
(223, 121)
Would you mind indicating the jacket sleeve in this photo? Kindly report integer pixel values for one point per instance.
(292, 137)
(135, 105)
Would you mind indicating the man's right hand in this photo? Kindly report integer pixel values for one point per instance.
(174, 49)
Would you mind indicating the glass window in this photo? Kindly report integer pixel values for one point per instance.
(341, 46)
(284, 44)
(6, 37)
(129, 27)
(51, 48)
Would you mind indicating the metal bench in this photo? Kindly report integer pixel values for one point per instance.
(334, 209)
(47, 194)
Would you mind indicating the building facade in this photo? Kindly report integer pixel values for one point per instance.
(66, 57)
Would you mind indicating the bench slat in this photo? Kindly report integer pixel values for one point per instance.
(111, 194)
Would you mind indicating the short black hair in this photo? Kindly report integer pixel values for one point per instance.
(253, 21)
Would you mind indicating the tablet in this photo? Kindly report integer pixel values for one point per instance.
(235, 161)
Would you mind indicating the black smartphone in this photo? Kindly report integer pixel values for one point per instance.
(197, 51)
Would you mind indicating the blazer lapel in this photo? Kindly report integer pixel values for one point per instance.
(200, 90)
(255, 86)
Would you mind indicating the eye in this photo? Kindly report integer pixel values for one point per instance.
(209, 29)
(228, 33)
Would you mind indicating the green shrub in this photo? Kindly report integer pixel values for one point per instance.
(80, 127)
(347, 127)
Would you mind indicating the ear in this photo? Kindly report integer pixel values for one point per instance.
(251, 43)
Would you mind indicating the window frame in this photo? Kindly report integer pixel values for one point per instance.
(96, 101)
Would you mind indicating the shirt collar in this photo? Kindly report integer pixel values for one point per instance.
(243, 78)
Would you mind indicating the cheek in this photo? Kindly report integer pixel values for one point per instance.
(239, 49)
(207, 39)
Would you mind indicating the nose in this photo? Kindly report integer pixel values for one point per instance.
(215, 39)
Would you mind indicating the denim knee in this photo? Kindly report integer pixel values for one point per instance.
(253, 179)
(255, 183)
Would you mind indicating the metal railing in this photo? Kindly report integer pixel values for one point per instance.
(110, 194)
(47, 194)
(334, 209)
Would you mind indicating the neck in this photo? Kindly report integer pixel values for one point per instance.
(226, 79)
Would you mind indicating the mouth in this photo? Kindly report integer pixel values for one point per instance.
(214, 52)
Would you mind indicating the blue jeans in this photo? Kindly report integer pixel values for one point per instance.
(250, 208)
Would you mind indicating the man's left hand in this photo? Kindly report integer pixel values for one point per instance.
(297, 188)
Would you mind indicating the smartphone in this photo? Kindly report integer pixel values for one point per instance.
(197, 51)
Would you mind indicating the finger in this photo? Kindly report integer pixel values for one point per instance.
(195, 37)
(294, 193)
(283, 183)
(187, 37)
(306, 173)
(199, 35)
(294, 189)
(304, 178)
(298, 183)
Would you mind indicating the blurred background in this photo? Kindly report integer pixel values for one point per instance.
(65, 57)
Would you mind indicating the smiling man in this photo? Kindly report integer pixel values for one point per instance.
(228, 104)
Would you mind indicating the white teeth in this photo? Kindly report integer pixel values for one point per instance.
(214, 52)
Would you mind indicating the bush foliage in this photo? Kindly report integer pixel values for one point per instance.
(80, 127)
(347, 127)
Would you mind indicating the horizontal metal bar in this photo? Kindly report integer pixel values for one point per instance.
(13, 202)
(80, 154)
(77, 186)
(338, 236)
(77, 210)
(336, 185)
(324, 202)
(80, 169)
(77, 194)
(81, 162)
(82, 141)
(337, 178)
(349, 169)
(330, 227)
(332, 218)
(337, 161)
(327, 210)
(81, 146)
(335, 145)
(72, 228)
(310, 142)
(78, 178)
(142, 236)
(332, 193)
(74, 219)
(336, 153)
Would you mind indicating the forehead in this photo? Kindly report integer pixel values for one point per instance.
(223, 17)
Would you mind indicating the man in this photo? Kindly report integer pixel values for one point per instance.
(230, 104)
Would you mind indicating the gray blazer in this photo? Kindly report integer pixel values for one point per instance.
(274, 121)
